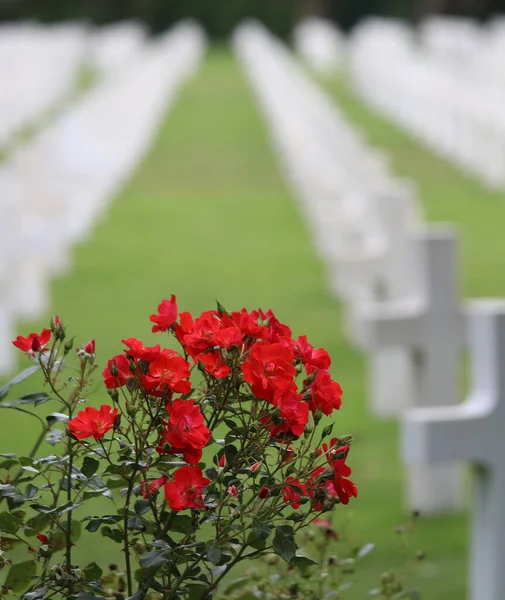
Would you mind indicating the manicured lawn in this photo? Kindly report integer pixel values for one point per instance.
(208, 216)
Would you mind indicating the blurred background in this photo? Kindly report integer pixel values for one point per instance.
(139, 157)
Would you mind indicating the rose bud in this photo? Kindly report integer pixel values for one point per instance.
(263, 493)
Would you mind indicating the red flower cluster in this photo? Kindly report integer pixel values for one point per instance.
(244, 355)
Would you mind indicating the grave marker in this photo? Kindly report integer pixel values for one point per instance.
(431, 328)
(474, 432)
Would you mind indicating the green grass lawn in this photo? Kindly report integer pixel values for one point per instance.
(208, 216)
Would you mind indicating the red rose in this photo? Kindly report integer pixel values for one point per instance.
(185, 491)
(149, 488)
(89, 348)
(185, 431)
(263, 493)
(248, 324)
(305, 352)
(214, 364)
(294, 491)
(268, 368)
(167, 315)
(35, 342)
(294, 414)
(168, 370)
(137, 350)
(92, 422)
(326, 393)
(120, 366)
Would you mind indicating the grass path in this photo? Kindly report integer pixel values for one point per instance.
(208, 216)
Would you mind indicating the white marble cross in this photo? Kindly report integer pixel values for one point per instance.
(474, 432)
(389, 275)
(432, 328)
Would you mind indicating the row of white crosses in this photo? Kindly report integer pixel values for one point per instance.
(54, 188)
(422, 316)
(30, 83)
(454, 105)
(321, 45)
(396, 277)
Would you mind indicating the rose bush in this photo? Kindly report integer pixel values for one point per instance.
(215, 454)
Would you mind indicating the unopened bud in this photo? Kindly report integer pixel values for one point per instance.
(69, 344)
(311, 377)
(309, 428)
(114, 371)
(318, 415)
(299, 368)
(420, 555)
(114, 394)
(140, 548)
(132, 367)
(344, 440)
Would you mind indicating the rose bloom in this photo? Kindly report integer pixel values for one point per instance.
(92, 422)
(35, 342)
(185, 491)
(167, 315)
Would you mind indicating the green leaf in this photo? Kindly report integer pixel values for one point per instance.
(9, 523)
(55, 436)
(303, 564)
(92, 572)
(181, 524)
(214, 555)
(113, 534)
(20, 576)
(18, 379)
(141, 507)
(30, 491)
(95, 522)
(284, 544)
(259, 534)
(153, 559)
(36, 399)
(89, 466)
(196, 591)
(56, 417)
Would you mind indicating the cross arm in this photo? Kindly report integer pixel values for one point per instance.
(446, 434)
(388, 324)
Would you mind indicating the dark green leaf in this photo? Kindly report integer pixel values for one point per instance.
(92, 572)
(35, 399)
(153, 559)
(9, 523)
(303, 564)
(56, 417)
(113, 534)
(20, 576)
(55, 436)
(95, 522)
(18, 379)
(141, 507)
(30, 491)
(135, 524)
(196, 591)
(284, 544)
(214, 555)
(181, 524)
(89, 466)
